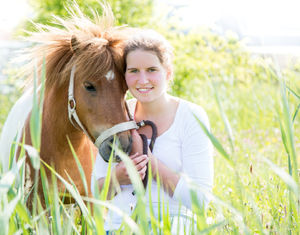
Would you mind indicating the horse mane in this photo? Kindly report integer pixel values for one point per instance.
(95, 47)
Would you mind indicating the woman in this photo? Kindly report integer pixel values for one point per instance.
(181, 148)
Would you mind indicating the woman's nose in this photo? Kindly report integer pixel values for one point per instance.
(143, 78)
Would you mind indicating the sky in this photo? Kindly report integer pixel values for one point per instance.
(256, 17)
(12, 12)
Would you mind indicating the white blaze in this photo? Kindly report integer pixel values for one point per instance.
(110, 75)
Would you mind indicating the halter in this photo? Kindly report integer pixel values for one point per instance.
(124, 126)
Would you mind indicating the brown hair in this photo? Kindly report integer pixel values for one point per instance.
(150, 40)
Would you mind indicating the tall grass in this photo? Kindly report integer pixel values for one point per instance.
(256, 174)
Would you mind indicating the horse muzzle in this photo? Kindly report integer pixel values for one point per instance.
(115, 137)
(107, 148)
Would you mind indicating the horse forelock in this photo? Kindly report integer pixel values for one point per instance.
(96, 59)
(98, 49)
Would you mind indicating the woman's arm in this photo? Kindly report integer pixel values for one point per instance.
(168, 178)
(197, 158)
(197, 162)
(111, 189)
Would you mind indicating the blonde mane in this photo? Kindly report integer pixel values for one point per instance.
(97, 47)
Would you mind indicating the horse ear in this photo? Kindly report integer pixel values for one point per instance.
(74, 44)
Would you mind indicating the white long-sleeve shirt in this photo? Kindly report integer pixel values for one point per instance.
(184, 148)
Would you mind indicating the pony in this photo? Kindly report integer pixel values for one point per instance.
(90, 54)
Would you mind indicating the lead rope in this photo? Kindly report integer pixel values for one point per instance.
(145, 141)
(145, 146)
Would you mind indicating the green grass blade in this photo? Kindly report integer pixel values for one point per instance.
(284, 141)
(224, 118)
(212, 227)
(288, 126)
(132, 172)
(293, 92)
(238, 216)
(287, 179)
(215, 142)
(138, 189)
(75, 194)
(35, 124)
(79, 166)
(70, 218)
(7, 180)
(13, 149)
(296, 112)
(153, 220)
(45, 186)
(126, 218)
(33, 155)
(55, 211)
(108, 178)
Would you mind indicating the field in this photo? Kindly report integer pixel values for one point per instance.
(255, 128)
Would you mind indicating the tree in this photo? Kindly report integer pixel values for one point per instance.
(132, 12)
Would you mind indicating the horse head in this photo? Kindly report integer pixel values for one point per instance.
(97, 83)
(93, 51)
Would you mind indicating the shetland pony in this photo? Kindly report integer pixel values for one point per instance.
(95, 50)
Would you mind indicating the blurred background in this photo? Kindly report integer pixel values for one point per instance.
(269, 27)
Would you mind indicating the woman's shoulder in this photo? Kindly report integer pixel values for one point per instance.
(193, 112)
(192, 108)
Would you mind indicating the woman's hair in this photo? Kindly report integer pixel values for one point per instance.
(150, 40)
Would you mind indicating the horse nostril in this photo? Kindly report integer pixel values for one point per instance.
(129, 146)
(119, 142)
(130, 140)
(111, 140)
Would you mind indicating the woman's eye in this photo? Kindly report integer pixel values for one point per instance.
(89, 87)
(133, 71)
(151, 69)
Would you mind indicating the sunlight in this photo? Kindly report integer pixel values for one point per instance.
(257, 17)
(11, 14)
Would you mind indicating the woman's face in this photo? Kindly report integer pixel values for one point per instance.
(145, 76)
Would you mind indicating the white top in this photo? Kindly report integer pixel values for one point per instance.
(185, 149)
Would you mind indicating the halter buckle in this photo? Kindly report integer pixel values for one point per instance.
(71, 104)
(141, 124)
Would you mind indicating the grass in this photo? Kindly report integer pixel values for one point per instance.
(255, 131)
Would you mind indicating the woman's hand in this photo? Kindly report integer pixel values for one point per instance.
(139, 161)
(137, 142)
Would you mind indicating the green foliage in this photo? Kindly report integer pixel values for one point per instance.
(131, 12)
(10, 91)
(201, 55)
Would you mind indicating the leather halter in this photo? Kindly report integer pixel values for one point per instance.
(124, 126)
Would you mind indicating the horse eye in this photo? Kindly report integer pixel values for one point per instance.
(89, 87)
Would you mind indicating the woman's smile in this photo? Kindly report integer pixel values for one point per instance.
(145, 89)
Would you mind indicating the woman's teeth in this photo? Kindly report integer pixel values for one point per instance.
(144, 89)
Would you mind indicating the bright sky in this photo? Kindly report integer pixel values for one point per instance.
(265, 17)
(11, 13)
